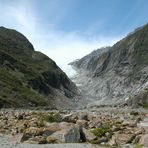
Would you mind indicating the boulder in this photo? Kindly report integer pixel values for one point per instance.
(20, 116)
(36, 140)
(92, 117)
(54, 127)
(68, 135)
(83, 116)
(144, 140)
(51, 128)
(129, 123)
(50, 139)
(82, 123)
(70, 118)
(66, 117)
(34, 131)
(64, 125)
(119, 139)
(17, 138)
(25, 137)
(21, 128)
(116, 128)
(87, 135)
(94, 124)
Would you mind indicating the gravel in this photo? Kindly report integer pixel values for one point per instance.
(6, 141)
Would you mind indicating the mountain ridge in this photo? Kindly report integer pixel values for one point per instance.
(121, 72)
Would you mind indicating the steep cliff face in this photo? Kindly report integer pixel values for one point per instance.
(120, 72)
(30, 78)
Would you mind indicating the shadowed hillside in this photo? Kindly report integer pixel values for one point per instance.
(29, 78)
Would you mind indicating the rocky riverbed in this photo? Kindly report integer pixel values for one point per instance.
(95, 127)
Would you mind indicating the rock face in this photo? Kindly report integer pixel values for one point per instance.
(119, 139)
(29, 78)
(88, 136)
(87, 62)
(119, 73)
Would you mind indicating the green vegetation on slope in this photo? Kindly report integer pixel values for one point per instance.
(28, 77)
(16, 93)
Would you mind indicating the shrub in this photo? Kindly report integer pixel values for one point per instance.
(50, 117)
(145, 105)
(134, 113)
(99, 132)
(53, 117)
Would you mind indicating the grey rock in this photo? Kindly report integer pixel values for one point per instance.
(144, 140)
(69, 135)
(87, 135)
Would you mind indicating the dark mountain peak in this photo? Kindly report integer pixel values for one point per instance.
(11, 39)
(2, 27)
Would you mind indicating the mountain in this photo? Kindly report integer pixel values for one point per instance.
(87, 61)
(29, 78)
(120, 73)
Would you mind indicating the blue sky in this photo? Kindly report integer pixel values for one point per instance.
(68, 29)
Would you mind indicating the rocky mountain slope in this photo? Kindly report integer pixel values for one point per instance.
(87, 61)
(118, 74)
(29, 78)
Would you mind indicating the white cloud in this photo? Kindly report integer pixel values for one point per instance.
(62, 47)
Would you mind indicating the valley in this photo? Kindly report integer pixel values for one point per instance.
(103, 102)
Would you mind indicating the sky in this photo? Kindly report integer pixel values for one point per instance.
(66, 30)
